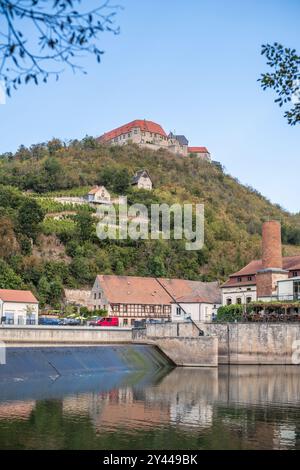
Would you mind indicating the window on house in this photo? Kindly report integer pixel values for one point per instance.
(151, 308)
(95, 296)
(249, 278)
(229, 301)
(135, 131)
(249, 300)
(239, 300)
(295, 273)
(116, 308)
(178, 311)
(125, 321)
(99, 295)
(297, 290)
(124, 308)
(9, 318)
(129, 135)
(239, 279)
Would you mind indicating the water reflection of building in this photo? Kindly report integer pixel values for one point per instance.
(117, 408)
(190, 395)
(285, 436)
(17, 410)
(189, 414)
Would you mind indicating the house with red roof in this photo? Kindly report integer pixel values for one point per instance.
(18, 307)
(132, 298)
(199, 152)
(273, 277)
(99, 195)
(151, 135)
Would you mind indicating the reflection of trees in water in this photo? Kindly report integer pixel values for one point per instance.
(244, 407)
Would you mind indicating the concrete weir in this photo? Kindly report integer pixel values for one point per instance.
(178, 344)
(42, 362)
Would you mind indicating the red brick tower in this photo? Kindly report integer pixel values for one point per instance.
(272, 270)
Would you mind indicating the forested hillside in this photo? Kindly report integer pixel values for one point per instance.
(44, 254)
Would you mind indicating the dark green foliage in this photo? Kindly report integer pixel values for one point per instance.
(61, 32)
(85, 226)
(284, 79)
(8, 278)
(30, 215)
(230, 313)
(116, 180)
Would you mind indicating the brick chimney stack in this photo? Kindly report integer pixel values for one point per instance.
(272, 268)
(271, 245)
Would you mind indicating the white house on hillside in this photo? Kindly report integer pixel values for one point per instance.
(142, 180)
(99, 195)
(18, 307)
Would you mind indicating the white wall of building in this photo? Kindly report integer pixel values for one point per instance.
(286, 288)
(197, 311)
(235, 293)
(18, 313)
(144, 183)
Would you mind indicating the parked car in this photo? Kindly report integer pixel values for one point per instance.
(48, 321)
(69, 322)
(139, 323)
(93, 321)
(107, 321)
(155, 321)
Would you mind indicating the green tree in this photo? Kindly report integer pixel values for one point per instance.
(85, 225)
(157, 267)
(8, 278)
(230, 313)
(80, 269)
(121, 181)
(44, 291)
(119, 269)
(8, 242)
(59, 35)
(30, 215)
(55, 292)
(284, 78)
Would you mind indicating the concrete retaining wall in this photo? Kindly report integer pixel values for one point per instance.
(182, 343)
(254, 343)
(190, 352)
(183, 330)
(59, 335)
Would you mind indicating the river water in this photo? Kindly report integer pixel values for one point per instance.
(237, 407)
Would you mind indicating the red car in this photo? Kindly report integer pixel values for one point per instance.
(109, 321)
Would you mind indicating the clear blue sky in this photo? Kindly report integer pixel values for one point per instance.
(190, 65)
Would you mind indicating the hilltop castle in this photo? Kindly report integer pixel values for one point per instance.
(152, 135)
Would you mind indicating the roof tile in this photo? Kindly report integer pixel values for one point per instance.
(8, 295)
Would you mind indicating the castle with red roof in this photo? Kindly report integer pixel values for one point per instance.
(152, 135)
